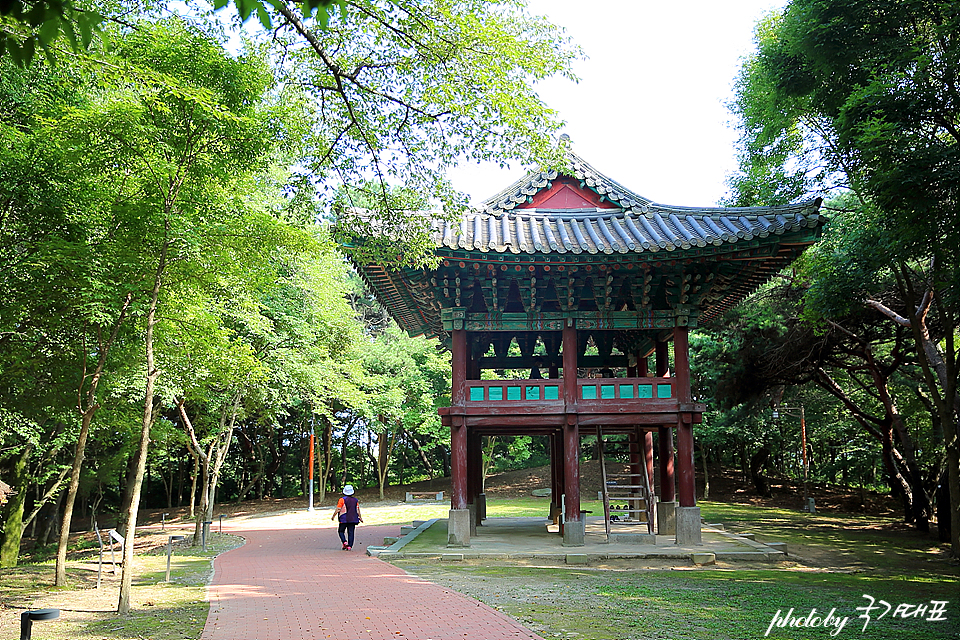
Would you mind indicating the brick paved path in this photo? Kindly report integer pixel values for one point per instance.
(296, 584)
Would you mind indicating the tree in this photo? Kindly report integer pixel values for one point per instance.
(29, 25)
(406, 90)
(860, 359)
(65, 299)
(403, 91)
(863, 96)
(405, 383)
(178, 138)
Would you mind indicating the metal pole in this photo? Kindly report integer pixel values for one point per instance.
(169, 550)
(99, 564)
(170, 540)
(310, 473)
(806, 465)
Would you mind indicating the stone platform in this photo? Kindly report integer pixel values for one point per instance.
(536, 538)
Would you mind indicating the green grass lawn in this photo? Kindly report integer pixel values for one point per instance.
(698, 604)
(839, 560)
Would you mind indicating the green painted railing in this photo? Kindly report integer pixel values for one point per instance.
(626, 389)
(552, 390)
(514, 391)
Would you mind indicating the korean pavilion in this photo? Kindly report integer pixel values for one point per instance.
(598, 288)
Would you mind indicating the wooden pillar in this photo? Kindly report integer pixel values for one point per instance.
(642, 367)
(473, 364)
(666, 507)
(573, 528)
(681, 361)
(663, 359)
(668, 492)
(474, 477)
(458, 524)
(458, 435)
(646, 441)
(556, 475)
(667, 485)
(688, 513)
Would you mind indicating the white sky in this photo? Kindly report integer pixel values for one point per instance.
(649, 109)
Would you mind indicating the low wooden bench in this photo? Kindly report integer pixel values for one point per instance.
(424, 495)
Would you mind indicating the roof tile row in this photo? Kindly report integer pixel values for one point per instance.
(638, 225)
(600, 231)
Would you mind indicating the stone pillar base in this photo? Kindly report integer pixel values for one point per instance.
(472, 508)
(573, 532)
(667, 518)
(481, 508)
(458, 528)
(688, 526)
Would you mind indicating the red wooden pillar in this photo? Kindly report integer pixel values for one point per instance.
(663, 359)
(473, 364)
(458, 432)
(687, 485)
(556, 475)
(646, 442)
(668, 492)
(475, 478)
(573, 529)
(667, 485)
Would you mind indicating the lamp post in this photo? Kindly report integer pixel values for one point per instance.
(808, 504)
(27, 619)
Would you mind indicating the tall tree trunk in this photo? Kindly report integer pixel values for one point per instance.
(140, 466)
(940, 370)
(423, 454)
(758, 463)
(13, 510)
(193, 483)
(327, 457)
(88, 407)
(387, 441)
(212, 459)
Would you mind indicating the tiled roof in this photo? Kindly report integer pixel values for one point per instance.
(604, 231)
(741, 247)
(635, 225)
(519, 192)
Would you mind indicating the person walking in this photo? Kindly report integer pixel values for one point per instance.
(348, 511)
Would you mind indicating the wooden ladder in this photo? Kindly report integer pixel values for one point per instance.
(633, 503)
